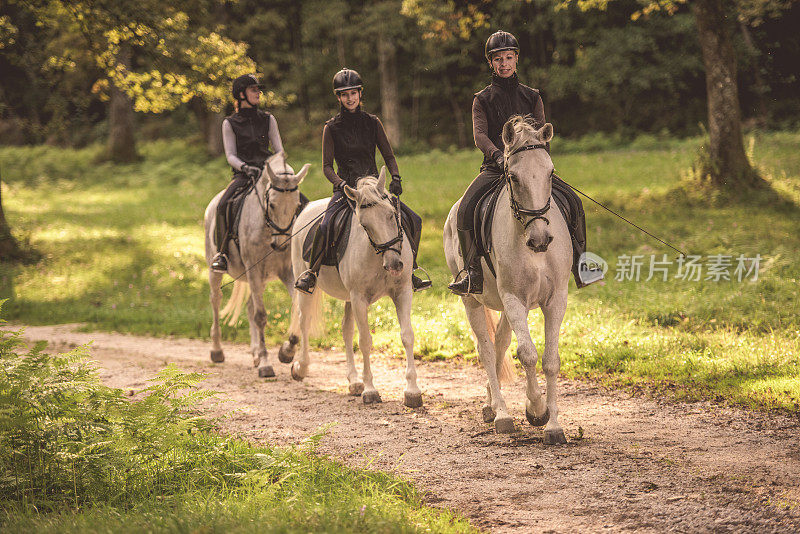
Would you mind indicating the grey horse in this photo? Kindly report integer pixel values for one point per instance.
(376, 263)
(261, 254)
(532, 256)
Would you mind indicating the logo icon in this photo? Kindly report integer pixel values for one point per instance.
(589, 261)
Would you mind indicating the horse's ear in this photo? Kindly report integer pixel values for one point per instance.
(302, 174)
(351, 193)
(270, 172)
(382, 179)
(546, 132)
(508, 132)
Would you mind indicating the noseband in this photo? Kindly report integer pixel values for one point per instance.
(277, 230)
(520, 213)
(380, 248)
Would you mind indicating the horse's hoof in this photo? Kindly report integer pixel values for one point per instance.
(538, 421)
(504, 426)
(554, 437)
(488, 414)
(295, 374)
(266, 372)
(287, 350)
(217, 356)
(356, 389)
(412, 400)
(256, 361)
(371, 397)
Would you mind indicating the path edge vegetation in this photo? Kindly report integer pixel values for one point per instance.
(78, 455)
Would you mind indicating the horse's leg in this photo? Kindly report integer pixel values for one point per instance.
(503, 423)
(517, 314)
(304, 306)
(288, 348)
(214, 281)
(370, 394)
(551, 364)
(402, 304)
(258, 322)
(502, 339)
(348, 327)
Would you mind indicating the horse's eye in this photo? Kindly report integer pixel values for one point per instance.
(513, 178)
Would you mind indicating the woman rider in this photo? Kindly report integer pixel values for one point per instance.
(491, 108)
(249, 136)
(350, 139)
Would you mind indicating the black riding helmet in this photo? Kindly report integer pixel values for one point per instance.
(346, 79)
(499, 41)
(243, 82)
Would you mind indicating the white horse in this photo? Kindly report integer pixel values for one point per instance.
(262, 253)
(376, 263)
(532, 256)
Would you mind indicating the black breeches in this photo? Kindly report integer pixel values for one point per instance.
(222, 233)
(469, 202)
(571, 207)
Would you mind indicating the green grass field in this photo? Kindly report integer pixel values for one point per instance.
(123, 251)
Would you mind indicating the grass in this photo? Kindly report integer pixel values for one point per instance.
(123, 251)
(77, 456)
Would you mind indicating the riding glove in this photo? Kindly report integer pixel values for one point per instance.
(251, 170)
(394, 186)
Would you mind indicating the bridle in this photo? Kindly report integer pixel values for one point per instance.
(380, 248)
(519, 212)
(278, 230)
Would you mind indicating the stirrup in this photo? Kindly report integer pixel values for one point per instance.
(219, 263)
(310, 290)
(452, 285)
(423, 283)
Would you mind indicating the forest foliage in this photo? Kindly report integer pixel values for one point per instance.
(597, 70)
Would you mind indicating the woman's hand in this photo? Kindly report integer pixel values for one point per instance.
(395, 187)
(251, 170)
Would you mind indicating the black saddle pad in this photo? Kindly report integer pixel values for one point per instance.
(338, 236)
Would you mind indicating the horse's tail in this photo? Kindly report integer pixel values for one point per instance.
(314, 312)
(233, 308)
(508, 373)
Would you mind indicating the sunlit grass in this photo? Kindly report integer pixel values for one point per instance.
(124, 251)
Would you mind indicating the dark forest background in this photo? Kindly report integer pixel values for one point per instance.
(72, 73)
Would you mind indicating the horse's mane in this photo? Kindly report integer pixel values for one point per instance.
(525, 132)
(368, 187)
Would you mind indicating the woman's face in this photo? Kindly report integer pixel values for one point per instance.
(252, 95)
(349, 98)
(504, 63)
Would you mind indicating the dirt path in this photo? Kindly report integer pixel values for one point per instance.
(641, 465)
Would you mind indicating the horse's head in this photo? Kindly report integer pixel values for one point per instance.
(282, 198)
(529, 170)
(377, 215)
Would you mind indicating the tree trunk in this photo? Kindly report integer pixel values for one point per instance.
(121, 142)
(296, 31)
(760, 86)
(457, 113)
(728, 166)
(390, 98)
(9, 248)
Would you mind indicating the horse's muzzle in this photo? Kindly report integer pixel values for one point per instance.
(394, 268)
(539, 247)
(281, 245)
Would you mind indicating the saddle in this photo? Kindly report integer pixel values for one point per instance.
(484, 217)
(337, 238)
(234, 211)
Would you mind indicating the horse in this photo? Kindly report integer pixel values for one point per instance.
(532, 258)
(262, 253)
(377, 262)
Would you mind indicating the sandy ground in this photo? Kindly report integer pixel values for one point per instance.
(640, 465)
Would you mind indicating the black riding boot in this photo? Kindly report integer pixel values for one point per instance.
(307, 280)
(472, 282)
(219, 263)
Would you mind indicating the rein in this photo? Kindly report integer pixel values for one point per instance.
(520, 213)
(380, 248)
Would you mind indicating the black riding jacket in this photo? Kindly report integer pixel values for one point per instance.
(494, 105)
(251, 126)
